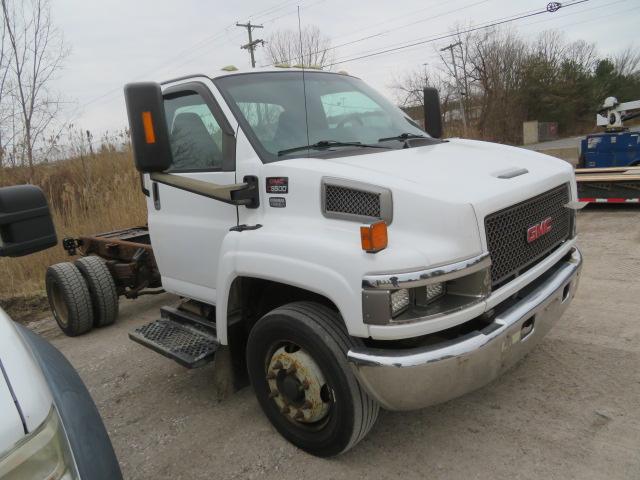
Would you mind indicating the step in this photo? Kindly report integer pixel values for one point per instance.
(189, 345)
(188, 318)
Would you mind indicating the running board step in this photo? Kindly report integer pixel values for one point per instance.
(191, 347)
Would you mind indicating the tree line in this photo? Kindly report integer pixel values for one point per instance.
(506, 79)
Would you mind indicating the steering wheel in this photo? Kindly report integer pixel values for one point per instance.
(350, 117)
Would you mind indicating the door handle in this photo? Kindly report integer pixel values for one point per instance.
(156, 195)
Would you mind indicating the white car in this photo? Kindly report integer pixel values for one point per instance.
(49, 428)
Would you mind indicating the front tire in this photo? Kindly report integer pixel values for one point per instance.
(297, 363)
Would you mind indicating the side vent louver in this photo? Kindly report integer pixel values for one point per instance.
(355, 201)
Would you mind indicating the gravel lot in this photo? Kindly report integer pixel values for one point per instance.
(570, 410)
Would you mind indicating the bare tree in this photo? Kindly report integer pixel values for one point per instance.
(37, 50)
(627, 62)
(408, 88)
(5, 104)
(284, 47)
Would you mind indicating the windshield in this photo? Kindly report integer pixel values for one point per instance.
(343, 113)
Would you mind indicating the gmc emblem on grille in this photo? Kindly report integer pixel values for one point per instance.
(538, 230)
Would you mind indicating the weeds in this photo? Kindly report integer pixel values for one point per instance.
(87, 194)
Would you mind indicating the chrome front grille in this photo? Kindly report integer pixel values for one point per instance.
(506, 230)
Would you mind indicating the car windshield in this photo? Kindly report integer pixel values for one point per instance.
(341, 114)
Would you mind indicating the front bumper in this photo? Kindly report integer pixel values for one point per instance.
(416, 378)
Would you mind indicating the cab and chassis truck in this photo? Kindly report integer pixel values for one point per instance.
(332, 251)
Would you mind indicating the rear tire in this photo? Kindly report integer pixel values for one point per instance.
(312, 338)
(69, 299)
(102, 290)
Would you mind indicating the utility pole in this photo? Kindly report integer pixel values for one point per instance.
(426, 76)
(455, 74)
(251, 46)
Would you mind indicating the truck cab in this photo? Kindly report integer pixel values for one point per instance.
(344, 257)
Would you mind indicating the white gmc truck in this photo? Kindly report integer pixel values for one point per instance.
(345, 258)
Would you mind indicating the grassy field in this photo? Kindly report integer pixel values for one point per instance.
(88, 194)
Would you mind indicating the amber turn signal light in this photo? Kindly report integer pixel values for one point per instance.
(374, 237)
(147, 123)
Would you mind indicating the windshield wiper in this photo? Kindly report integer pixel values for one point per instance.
(323, 144)
(401, 137)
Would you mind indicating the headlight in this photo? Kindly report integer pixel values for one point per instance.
(434, 291)
(425, 294)
(399, 301)
(44, 454)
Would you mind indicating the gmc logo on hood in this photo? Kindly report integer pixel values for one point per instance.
(539, 229)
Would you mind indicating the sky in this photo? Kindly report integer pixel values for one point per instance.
(113, 42)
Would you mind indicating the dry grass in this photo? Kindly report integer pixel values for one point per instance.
(89, 194)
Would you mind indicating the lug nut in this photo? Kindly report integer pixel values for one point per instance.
(299, 415)
(277, 365)
(291, 369)
(307, 405)
(305, 384)
(271, 376)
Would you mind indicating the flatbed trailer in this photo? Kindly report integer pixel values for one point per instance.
(608, 185)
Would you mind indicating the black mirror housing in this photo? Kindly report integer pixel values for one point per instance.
(148, 126)
(432, 115)
(26, 225)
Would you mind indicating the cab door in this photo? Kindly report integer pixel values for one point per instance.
(187, 229)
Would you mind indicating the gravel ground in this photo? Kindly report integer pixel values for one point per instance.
(570, 410)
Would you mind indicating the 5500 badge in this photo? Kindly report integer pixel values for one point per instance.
(279, 185)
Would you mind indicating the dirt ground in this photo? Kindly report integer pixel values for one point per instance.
(571, 409)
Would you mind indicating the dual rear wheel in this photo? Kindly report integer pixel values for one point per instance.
(82, 295)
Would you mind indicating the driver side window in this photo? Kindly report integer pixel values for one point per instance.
(195, 135)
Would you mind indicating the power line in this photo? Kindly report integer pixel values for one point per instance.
(384, 32)
(558, 17)
(199, 44)
(524, 25)
(450, 35)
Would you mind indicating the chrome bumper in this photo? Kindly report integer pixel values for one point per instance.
(417, 378)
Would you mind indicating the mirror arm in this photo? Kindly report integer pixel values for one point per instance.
(235, 194)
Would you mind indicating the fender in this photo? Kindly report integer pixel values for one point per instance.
(279, 256)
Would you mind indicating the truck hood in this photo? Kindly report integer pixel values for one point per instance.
(468, 171)
(441, 192)
(21, 382)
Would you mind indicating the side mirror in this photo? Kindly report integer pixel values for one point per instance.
(25, 221)
(432, 115)
(149, 133)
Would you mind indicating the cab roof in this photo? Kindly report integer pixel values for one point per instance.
(228, 71)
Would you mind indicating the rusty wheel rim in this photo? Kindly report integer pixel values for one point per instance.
(297, 386)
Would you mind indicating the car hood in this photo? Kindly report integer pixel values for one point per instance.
(24, 393)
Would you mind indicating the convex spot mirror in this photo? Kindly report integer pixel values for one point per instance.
(148, 126)
(25, 221)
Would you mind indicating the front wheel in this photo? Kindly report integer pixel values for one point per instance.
(297, 362)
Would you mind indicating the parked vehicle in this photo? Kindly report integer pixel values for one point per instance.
(341, 256)
(49, 426)
(609, 166)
